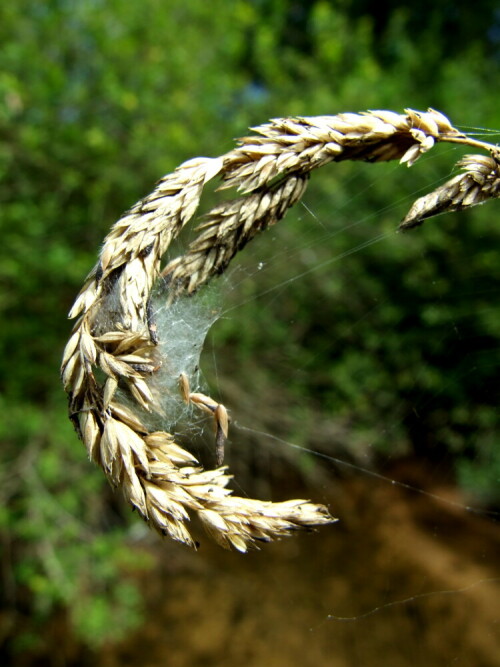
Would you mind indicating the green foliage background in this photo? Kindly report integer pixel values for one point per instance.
(97, 100)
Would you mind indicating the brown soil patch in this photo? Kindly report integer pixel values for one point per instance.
(402, 580)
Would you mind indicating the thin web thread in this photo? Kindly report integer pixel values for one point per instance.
(291, 253)
(408, 600)
(371, 473)
(319, 266)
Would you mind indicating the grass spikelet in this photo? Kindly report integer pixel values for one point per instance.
(113, 355)
(479, 182)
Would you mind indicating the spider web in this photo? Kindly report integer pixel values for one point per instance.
(409, 575)
(413, 550)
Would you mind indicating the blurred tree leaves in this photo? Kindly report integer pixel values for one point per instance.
(99, 99)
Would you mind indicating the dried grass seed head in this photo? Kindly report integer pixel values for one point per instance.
(126, 352)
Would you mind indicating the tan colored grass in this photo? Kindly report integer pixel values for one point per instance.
(479, 182)
(114, 341)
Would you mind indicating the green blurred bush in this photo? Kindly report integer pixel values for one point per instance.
(97, 100)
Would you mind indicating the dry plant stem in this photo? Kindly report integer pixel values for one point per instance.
(114, 341)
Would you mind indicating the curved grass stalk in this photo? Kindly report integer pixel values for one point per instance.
(113, 350)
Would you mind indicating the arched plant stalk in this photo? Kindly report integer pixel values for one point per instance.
(114, 343)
